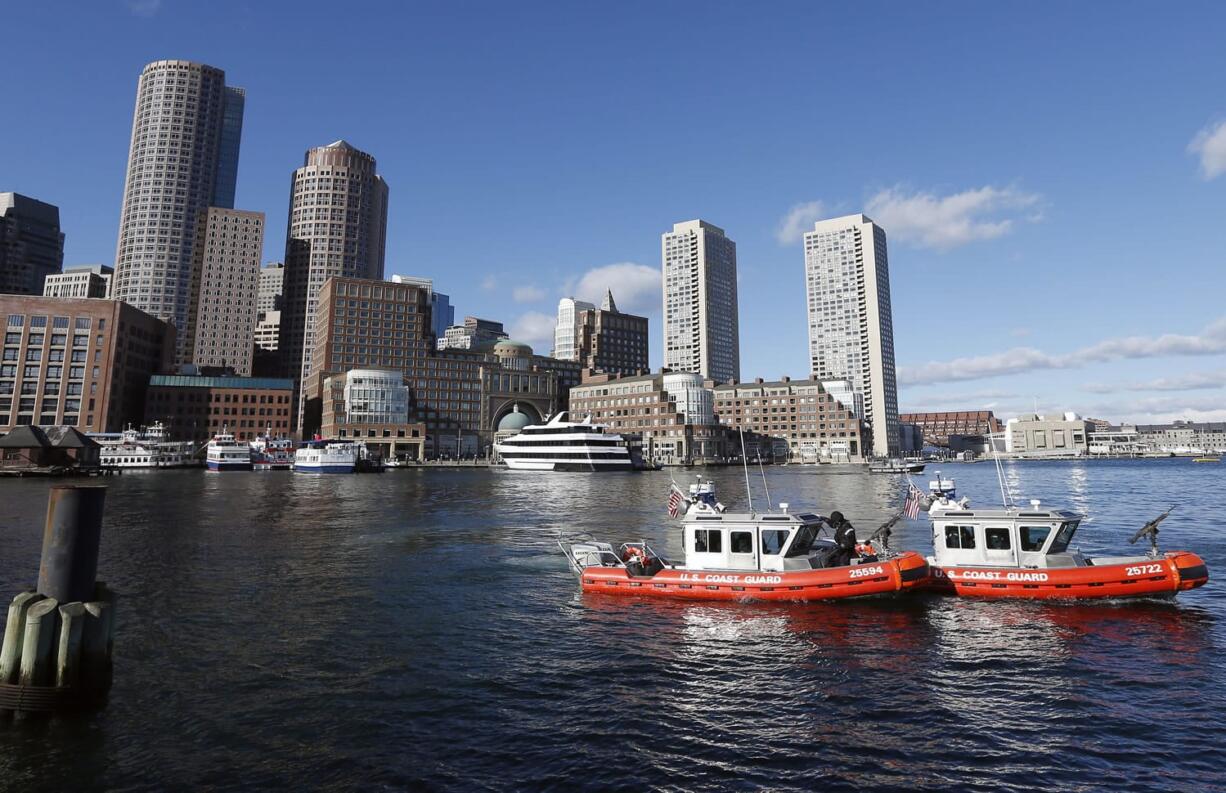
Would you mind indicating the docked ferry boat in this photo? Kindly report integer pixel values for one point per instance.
(272, 454)
(1024, 552)
(562, 445)
(148, 447)
(224, 453)
(745, 556)
(326, 457)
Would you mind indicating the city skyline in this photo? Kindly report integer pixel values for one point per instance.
(985, 204)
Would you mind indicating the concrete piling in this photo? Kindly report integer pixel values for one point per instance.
(58, 641)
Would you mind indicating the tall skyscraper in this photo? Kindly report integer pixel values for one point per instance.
(31, 244)
(222, 319)
(337, 226)
(701, 331)
(183, 159)
(851, 330)
(567, 333)
(272, 287)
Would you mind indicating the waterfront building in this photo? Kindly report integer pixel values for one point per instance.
(1108, 441)
(910, 438)
(671, 414)
(183, 159)
(937, 426)
(442, 313)
(31, 244)
(475, 332)
(225, 287)
(87, 280)
(337, 227)
(701, 331)
(460, 395)
(373, 405)
(1183, 437)
(272, 287)
(82, 362)
(816, 426)
(196, 407)
(1032, 435)
(851, 335)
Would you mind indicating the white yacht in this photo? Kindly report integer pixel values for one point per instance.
(326, 457)
(562, 445)
(147, 447)
(224, 453)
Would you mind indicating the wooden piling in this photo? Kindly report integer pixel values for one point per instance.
(36, 661)
(68, 654)
(97, 641)
(14, 635)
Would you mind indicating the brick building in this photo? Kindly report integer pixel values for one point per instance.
(460, 395)
(194, 407)
(938, 426)
(79, 362)
(816, 426)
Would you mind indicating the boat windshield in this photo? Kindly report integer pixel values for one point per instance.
(1067, 530)
(804, 539)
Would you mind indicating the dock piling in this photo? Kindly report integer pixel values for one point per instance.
(71, 539)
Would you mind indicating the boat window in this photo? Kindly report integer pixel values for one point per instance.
(708, 540)
(959, 536)
(1033, 537)
(773, 540)
(805, 538)
(996, 539)
(1067, 530)
(742, 542)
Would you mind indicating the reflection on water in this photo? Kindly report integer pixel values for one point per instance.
(419, 629)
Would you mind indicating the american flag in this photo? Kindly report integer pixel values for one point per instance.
(675, 498)
(911, 506)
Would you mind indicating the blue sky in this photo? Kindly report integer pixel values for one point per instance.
(1051, 176)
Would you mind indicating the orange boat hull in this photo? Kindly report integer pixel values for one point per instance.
(1175, 572)
(907, 571)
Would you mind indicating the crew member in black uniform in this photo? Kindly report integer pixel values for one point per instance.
(844, 539)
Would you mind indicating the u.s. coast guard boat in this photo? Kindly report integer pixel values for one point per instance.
(745, 556)
(1024, 552)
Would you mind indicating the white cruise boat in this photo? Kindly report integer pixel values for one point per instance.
(562, 445)
(224, 453)
(326, 457)
(147, 447)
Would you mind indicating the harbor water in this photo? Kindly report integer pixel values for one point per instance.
(420, 630)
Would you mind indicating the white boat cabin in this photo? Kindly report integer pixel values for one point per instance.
(770, 542)
(1013, 537)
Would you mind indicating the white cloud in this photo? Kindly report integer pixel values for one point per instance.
(527, 294)
(536, 329)
(1210, 341)
(1196, 381)
(1210, 145)
(1020, 333)
(944, 222)
(636, 287)
(489, 283)
(797, 221)
(1160, 410)
(144, 8)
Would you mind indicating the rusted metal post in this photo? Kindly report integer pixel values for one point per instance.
(70, 543)
(68, 652)
(15, 635)
(39, 639)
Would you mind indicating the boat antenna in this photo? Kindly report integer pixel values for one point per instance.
(769, 503)
(1005, 501)
(745, 465)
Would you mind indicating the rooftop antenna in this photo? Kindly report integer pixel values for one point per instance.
(745, 465)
